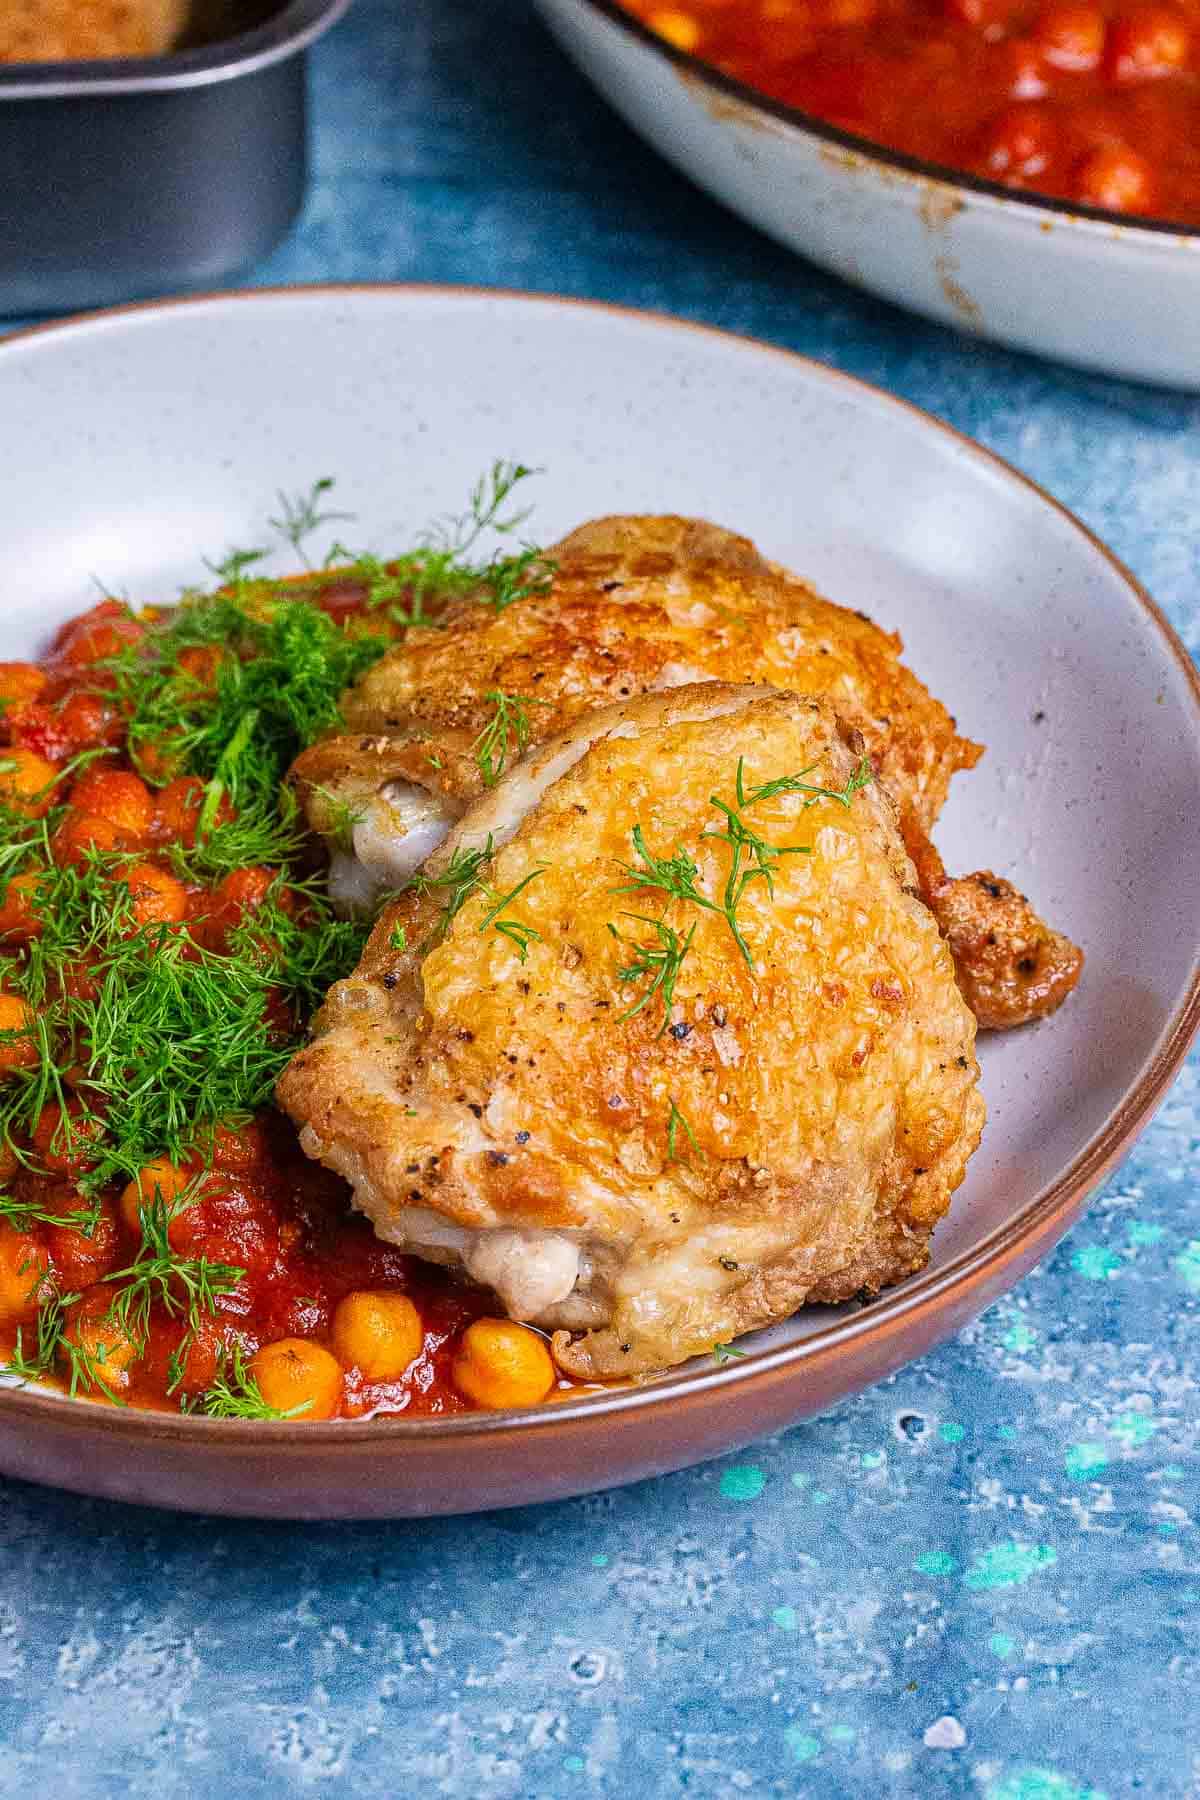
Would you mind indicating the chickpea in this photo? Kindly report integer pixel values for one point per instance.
(26, 782)
(24, 1275)
(180, 804)
(104, 1350)
(241, 1149)
(985, 15)
(19, 683)
(200, 663)
(19, 919)
(501, 1364)
(82, 835)
(100, 632)
(1071, 34)
(160, 1179)
(117, 795)
(379, 1332)
(240, 892)
(66, 1146)
(1020, 142)
(159, 759)
(158, 899)
(18, 1052)
(679, 28)
(79, 1260)
(296, 1372)
(86, 720)
(1117, 179)
(1148, 42)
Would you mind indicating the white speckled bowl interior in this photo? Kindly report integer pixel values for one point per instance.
(138, 443)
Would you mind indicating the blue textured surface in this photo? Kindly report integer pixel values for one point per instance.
(982, 1578)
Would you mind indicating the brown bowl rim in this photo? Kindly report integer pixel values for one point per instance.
(1043, 1217)
(870, 151)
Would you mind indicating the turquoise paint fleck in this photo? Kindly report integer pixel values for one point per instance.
(1008, 1565)
(1167, 1527)
(841, 1734)
(1083, 1460)
(1141, 1232)
(872, 1459)
(820, 1497)
(743, 1482)
(599, 1561)
(800, 1480)
(1133, 1428)
(1019, 1337)
(1007, 1432)
(1096, 1263)
(936, 1562)
(1188, 1264)
(1041, 1784)
(801, 1743)
(785, 1618)
(574, 1765)
(1000, 1644)
(950, 1433)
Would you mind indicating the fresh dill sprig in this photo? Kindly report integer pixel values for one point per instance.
(158, 1275)
(341, 816)
(196, 1018)
(231, 570)
(752, 857)
(743, 841)
(862, 777)
(675, 1123)
(444, 567)
(656, 964)
(507, 732)
(723, 1353)
(25, 1214)
(235, 1394)
(674, 875)
(301, 515)
(517, 934)
(36, 1363)
(458, 879)
(276, 687)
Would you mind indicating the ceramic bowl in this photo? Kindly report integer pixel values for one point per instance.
(1043, 645)
(1081, 286)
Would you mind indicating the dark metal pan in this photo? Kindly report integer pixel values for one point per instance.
(136, 177)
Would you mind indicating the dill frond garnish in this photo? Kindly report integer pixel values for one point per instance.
(458, 880)
(169, 1037)
(158, 1275)
(301, 515)
(751, 856)
(341, 818)
(656, 964)
(517, 934)
(235, 1395)
(445, 566)
(675, 1123)
(506, 733)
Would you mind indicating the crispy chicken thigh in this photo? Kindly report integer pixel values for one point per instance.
(651, 1103)
(637, 605)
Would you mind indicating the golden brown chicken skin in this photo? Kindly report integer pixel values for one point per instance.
(649, 1118)
(639, 604)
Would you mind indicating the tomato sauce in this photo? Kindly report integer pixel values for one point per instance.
(1094, 102)
(273, 1235)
